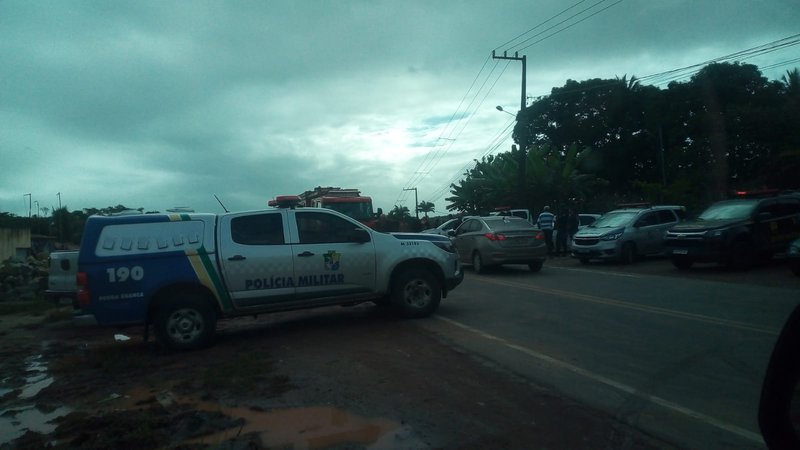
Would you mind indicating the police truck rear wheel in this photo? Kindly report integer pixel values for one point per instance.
(185, 323)
(416, 293)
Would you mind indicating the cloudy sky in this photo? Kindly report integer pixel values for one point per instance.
(157, 104)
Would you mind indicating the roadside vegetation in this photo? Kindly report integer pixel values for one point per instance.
(595, 143)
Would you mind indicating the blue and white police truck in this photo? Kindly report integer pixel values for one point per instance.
(180, 273)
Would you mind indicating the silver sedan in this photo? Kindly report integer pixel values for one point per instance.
(496, 240)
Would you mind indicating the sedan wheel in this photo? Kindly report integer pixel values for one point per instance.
(477, 263)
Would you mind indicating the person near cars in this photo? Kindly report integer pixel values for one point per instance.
(573, 223)
(561, 227)
(546, 222)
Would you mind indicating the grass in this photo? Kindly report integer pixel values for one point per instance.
(36, 307)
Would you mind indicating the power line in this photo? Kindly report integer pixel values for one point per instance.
(671, 75)
(500, 47)
(570, 25)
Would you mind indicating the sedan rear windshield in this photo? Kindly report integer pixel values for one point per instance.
(508, 223)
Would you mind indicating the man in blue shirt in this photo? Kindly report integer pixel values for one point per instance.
(546, 222)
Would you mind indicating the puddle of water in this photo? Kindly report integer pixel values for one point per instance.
(314, 427)
(38, 379)
(5, 391)
(14, 422)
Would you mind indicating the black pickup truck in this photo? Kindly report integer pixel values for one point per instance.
(736, 232)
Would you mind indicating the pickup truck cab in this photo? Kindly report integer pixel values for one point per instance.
(736, 232)
(183, 272)
(61, 285)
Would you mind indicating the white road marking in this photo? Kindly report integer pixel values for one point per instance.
(747, 434)
(598, 272)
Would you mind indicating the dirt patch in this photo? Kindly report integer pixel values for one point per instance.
(331, 378)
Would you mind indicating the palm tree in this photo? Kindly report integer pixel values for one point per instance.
(791, 81)
(399, 213)
(426, 207)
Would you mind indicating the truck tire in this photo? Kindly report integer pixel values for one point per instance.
(416, 293)
(682, 262)
(477, 263)
(185, 322)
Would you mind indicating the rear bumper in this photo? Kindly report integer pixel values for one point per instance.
(63, 297)
(83, 319)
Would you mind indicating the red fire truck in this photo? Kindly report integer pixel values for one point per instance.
(349, 202)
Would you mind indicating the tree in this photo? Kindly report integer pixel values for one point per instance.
(426, 207)
(399, 213)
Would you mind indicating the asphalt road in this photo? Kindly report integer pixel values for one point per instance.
(679, 355)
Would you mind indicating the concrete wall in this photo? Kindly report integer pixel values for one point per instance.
(14, 242)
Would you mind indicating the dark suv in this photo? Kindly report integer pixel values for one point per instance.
(736, 232)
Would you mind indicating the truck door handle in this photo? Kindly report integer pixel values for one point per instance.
(305, 254)
(237, 258)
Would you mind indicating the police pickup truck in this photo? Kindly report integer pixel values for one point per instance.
(180, 273)
(738, 231)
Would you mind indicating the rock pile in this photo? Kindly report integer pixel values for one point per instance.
(23, 279)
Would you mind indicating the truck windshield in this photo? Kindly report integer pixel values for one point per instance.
(358, 211)
(738, 210)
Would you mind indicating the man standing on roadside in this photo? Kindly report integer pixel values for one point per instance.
(546, 222)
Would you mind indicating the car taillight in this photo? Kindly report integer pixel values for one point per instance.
(84, 296)
(495, 237)
(540, 236)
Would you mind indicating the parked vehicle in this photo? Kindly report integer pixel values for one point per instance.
(182, 272)
(444, 228)
(584, 220)
(496, 240)
(627, 233)
(61, 278)
(738, 231)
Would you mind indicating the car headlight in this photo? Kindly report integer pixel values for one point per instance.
(445, 245)
(613, 236)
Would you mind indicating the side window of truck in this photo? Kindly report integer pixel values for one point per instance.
(320, 228)
(259, 229)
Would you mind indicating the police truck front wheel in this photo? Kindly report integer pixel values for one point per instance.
(185, 322)
(416, 293)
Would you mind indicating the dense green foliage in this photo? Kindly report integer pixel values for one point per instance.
(595, 143)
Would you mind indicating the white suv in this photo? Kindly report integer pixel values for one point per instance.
(624, 234)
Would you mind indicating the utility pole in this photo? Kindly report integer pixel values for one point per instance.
(523, 154)
(524, 59)
(59, 200)
(29, 202)
(416, 201)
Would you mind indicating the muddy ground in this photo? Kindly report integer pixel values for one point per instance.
(333, 378)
